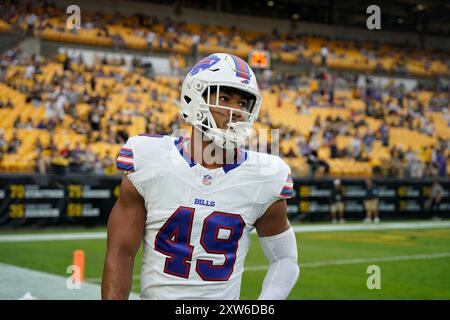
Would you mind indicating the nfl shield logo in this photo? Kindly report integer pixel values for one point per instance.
(207, 180)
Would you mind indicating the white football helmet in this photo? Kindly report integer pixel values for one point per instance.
(211, 74)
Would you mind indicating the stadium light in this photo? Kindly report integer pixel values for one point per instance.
(270, 3)
(420, 7)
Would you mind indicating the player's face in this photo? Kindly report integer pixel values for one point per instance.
(230, 99)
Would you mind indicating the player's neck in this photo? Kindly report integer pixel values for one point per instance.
(206, 153)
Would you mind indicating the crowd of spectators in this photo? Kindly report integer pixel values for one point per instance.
(168, 34)
(392, 105)
(61, 95)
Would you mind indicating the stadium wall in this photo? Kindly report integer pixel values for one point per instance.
(50, 200)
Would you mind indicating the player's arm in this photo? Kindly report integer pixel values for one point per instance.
(277, 239)
(125, 233)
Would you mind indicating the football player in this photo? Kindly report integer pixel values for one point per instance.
(193, 202)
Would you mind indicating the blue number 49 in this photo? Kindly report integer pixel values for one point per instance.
(173, 240)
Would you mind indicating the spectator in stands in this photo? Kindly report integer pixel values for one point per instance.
(65, 151)
(9, 104)
(118, 41)
(356, 147)
(324, 55)
(149, 71)
(280, 100)
(173, 65)
(59, 105)
(368, 140)
(98, 167)
(331, 88)
(3, 147)
(337, 202)
(195, 41)
(14, 143)
(303, 147)
(58, 163)
(76, 157)
(108, 163)
(314, 141)
(298, 104)
(66, 62)
(94, 120)
(122, 136)
(29, 125)
(304, 110)
(376, 166)
(315, 163)
(150, 37)
(384, 133)
(392, 108)
(29, 71)
(89, 160)
(371, 202)
(417, 169)
(334, 151)
(441, 163)
(410, 159)
(434, 199)
(72, 99)
(43, 162)
(326, 136)
(49, 109)
(30, 20)
(394, 167)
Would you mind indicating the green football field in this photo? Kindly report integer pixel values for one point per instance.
(414, 264)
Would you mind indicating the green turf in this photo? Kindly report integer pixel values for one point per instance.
(410, 279)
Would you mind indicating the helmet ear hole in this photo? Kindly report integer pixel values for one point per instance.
(187, 99)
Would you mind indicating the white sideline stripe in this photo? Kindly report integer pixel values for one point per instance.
(317, 264)
(16, 282)
(53, 236)
(297, 228)
(372, 227)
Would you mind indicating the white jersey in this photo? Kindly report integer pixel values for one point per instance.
(198, 222)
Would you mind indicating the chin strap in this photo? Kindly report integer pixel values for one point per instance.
(240, 127)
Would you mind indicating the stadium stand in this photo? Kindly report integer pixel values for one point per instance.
(164, 34)
(61, 113)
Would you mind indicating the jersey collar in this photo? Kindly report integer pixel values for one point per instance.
(241, 155)
(179, 143)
